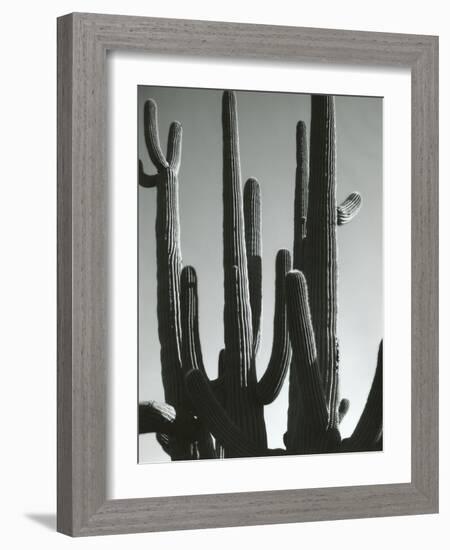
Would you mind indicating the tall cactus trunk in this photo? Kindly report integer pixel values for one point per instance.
(312, 293)
(295, 412)
(239, 361)
(320, 265)
(168, 284)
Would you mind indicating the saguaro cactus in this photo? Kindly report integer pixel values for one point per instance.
(168, 279)
(231, 406)
(239, 401)
(314, 412)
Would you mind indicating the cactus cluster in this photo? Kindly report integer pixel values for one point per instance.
(224, 417)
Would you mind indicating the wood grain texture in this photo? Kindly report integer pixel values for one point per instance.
(64, 297)
(83, 40)
(425, 272)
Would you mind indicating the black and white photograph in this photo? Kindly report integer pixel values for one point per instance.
(222, 245)
(260, 274)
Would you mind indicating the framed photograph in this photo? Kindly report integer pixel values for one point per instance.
(247, 274)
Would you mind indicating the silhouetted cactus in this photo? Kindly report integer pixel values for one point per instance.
(168, 280)
(314, 413)
(231, 407)
(240, 396)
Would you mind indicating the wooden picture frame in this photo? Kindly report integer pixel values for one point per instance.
(83, 40)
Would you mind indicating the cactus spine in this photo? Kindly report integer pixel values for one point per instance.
(231, 407)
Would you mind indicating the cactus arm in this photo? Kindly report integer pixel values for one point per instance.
(151, 135)
(191, 352)
(368, 431)
(174, 146)
(252, 218)
(191, 349)
(301, 194)
(344, 406)
(218, 384)
(157, 417)
(321, 249)
(237, 311)
(270, 384)
(216, 418)
(147, 180)
(349, 209)
(304, 351)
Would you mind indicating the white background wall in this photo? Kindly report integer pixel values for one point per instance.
(28, 271)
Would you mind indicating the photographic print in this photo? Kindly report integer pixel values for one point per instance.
(229, 263)
(260, 274)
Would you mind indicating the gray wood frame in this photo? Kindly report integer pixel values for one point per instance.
(83, 40)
